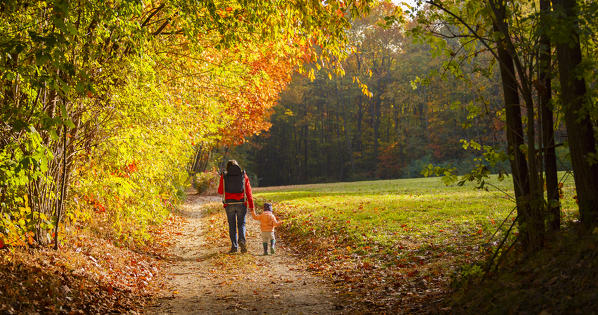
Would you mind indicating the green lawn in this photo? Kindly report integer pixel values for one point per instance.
(392, 243)
(416, 212)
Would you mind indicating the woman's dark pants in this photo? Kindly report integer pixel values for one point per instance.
(235, 213)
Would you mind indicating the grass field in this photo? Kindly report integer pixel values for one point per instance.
(388, 210)
(400, 232)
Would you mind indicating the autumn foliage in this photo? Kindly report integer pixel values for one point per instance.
(106, 102)
(248, 110)
(103, 105)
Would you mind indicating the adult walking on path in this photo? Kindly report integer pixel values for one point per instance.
(235, 186)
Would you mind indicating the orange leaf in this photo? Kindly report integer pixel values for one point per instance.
(412, 273)
(1, 243)
(30, 239)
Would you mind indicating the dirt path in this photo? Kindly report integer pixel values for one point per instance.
(202, 278)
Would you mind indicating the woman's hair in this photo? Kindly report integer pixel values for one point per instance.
(230, 163)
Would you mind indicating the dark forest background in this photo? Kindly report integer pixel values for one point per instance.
(418, 113)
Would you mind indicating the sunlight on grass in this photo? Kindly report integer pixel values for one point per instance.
(397, 236)
(419, 211)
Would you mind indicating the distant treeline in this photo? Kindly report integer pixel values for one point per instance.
(329, 130)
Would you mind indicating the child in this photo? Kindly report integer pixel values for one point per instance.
(267, 224)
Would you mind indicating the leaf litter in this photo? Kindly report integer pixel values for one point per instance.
(88, 274)
(209, 280)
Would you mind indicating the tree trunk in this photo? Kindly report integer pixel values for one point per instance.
(532, 225)
(305, 151)
(359, 133)
(63, 188)
(547, 123)
(514, 130)
(376, 126)
(579, 126)
(347, 134)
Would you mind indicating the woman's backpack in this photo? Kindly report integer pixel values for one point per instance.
(234, 180)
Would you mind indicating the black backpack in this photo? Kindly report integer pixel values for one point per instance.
(234, 180)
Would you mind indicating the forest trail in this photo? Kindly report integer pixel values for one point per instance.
(203, 278)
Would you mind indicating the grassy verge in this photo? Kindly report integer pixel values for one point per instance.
(393, 243)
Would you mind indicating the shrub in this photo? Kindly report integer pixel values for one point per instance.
(206, 182)
(414, 168)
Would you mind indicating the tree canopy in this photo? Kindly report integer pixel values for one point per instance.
(104, 102)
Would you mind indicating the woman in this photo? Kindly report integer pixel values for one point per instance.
(234, 184)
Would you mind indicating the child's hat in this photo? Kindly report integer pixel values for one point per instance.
(267, 206)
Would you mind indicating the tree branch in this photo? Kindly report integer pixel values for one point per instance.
(154, 12)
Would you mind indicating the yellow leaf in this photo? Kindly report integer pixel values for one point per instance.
(311, 75)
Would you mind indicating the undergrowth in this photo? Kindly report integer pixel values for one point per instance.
(560, 279)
